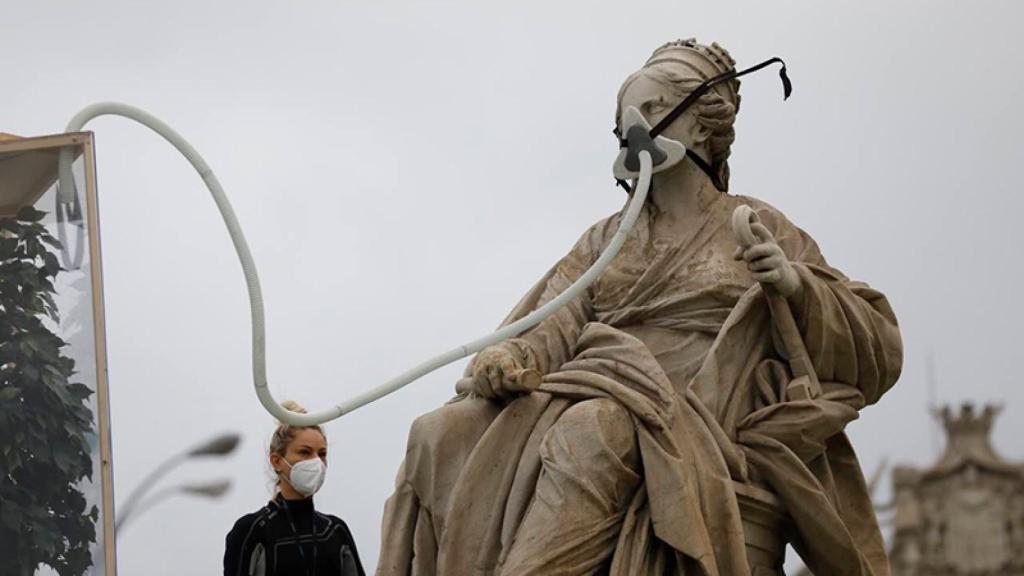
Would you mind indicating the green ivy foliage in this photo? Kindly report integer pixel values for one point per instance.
(45, 421)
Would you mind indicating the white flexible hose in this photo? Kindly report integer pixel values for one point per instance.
(256, 296)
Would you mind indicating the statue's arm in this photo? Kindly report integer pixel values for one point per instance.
(850, 331)
(550, 343)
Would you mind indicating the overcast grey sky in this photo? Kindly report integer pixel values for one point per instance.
(404, 171)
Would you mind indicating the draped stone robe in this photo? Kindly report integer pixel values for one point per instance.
(679, 335)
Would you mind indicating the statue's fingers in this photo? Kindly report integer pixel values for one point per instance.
(508, 386)
(759, 251)
(485, 383)
(765, 264)
(770, 277)
(737, 254)
(506, 381)
(508, 365)
(494, 379)
(483, 386)
(762, 232)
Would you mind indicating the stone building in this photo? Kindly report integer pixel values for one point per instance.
(963, 516)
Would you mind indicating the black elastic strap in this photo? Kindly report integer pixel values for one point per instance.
(705, 86)
(702, 89)
(705, 167)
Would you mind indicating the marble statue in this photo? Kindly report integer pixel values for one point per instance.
(663, 391)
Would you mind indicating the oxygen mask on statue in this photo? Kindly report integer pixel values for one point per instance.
(636, 131)
(637, 135)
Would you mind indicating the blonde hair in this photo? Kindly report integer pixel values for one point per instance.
(283, 436)
(285, 433)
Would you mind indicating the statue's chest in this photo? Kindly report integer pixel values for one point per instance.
(646, 272)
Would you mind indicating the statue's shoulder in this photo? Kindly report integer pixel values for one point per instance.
(598, 234)
(610, 222)
(771, 216)
(758, 205)
(795, 241)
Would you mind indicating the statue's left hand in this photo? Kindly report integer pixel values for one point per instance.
(494, 374)
(768, 264)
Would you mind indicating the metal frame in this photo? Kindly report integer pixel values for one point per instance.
(85, 141)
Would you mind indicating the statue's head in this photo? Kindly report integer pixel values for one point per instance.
(668, 76)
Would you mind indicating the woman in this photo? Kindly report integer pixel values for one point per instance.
(663, 388)
(288, 537)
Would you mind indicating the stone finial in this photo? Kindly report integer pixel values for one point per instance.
(969, 422)
(968, 433)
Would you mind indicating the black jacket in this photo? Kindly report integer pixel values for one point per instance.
(290, 538)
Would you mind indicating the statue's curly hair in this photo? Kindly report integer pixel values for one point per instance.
(716, 110)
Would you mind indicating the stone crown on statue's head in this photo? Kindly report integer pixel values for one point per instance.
(705, 61)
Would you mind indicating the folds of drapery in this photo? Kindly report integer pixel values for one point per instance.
(685, 514)
(798, 447)
(693, 444)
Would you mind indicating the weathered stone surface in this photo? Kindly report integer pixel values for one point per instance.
(661, 439)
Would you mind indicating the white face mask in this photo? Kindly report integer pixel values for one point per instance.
(307, 476)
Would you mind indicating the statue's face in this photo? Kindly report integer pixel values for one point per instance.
(655, 100)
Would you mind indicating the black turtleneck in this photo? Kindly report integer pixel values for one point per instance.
(290, 538)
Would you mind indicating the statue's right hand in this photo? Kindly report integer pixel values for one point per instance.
(496, 372)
